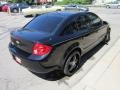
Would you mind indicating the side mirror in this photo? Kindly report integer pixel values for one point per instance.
(105, 22)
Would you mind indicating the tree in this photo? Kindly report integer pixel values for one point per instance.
(77, 1)
(22, 1)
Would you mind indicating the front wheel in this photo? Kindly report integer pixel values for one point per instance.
(72, 63)
(107, 6)
(118, 6)
(15, 11)
(107, 37)
(34, 15)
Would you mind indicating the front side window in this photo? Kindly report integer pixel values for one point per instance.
(95, 21)
(24, 5)
(79, 23)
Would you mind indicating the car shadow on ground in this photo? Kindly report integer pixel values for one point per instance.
(57, 75)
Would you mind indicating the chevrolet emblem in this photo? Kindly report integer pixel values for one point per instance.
(18, 42)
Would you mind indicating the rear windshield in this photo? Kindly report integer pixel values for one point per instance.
(44, 23)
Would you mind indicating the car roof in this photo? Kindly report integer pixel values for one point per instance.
(65, 14)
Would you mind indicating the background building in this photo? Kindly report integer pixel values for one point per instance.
(99, 2)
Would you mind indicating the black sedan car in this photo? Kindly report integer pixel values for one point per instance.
(57, 40)
(15, 8)
(76, 7)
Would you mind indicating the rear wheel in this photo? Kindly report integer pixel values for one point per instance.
(58, 10)
(72, 63)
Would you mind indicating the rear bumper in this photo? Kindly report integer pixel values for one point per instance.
(34, 66)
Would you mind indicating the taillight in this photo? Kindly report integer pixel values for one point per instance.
(41, 49)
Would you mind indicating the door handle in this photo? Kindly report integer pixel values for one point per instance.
(96, 31)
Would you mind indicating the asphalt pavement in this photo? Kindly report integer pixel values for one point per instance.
(100, 70)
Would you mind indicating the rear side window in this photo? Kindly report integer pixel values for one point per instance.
(70, 28)
(44, 23)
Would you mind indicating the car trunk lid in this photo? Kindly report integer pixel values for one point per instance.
(25, 39)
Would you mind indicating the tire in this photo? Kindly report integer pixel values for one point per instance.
(34, 15)
(118, 7)
(28, 16)
(15, 11)
(58, 10)
(107, 6)
(72, 63)
(107, 37)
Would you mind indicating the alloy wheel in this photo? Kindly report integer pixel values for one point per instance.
(72, 63)
(15, 11)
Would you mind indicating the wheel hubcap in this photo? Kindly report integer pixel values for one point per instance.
(15, 10)
(72, 63)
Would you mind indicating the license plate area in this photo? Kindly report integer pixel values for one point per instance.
(18, 60)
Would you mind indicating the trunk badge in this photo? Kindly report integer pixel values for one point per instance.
(18, 42)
